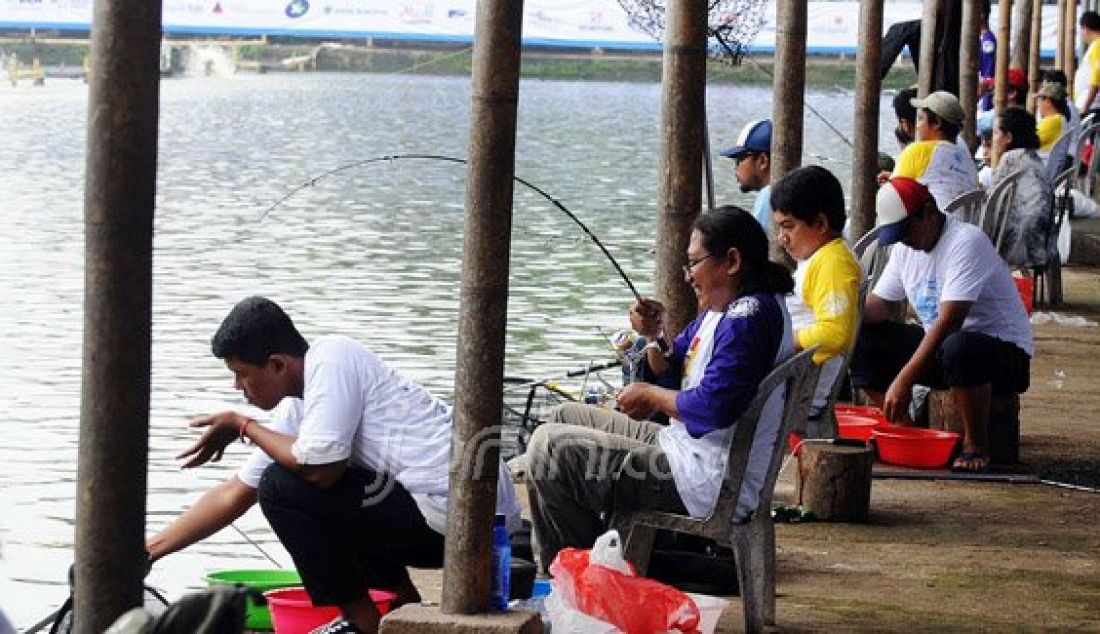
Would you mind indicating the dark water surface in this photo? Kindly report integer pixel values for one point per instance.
(373, 253)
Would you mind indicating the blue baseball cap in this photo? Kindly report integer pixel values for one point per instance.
(756, 136)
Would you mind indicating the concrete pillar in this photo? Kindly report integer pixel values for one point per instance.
(789, 94)
(969, 60)
(121, 169)
(681, 154)
(483, 307)
(1060, 39)
(1069, 54)
(1020, 56)
(868, 94)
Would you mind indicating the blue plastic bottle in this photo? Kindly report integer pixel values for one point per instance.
(502, 566)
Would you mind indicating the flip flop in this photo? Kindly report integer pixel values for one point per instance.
(971, 462)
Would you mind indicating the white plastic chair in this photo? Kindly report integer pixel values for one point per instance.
(967, 206)
(996, 207)
(752, 540)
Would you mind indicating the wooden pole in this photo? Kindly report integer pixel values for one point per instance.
(483, 307)
(789, 92)
(927, 72)
(1060, 39)
(1021, 36)
(969, 60)
(119, 199)
(680, 193)
(868, 93)
(1004, 31)
(1070, 54)
(1033, 54)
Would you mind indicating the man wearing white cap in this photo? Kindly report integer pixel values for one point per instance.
(752, 155)
(974, 336)
(937, 159)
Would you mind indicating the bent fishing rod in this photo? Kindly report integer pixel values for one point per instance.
(454, 159)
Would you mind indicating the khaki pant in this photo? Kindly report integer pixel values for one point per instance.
(587, 464)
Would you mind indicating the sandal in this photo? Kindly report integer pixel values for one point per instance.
(971, 462)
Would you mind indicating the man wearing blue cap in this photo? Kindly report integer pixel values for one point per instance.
(752, 154)
(974, 337)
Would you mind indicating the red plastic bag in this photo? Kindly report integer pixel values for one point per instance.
(610, 591)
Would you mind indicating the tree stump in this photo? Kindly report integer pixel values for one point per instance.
(1003, 429)
(834, 481)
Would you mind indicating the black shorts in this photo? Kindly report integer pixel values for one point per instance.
(965, 359)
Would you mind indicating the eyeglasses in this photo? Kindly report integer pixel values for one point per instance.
(693, 263)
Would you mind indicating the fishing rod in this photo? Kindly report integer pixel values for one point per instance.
(453, 159)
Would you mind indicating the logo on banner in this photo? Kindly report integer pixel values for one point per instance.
(297, 8)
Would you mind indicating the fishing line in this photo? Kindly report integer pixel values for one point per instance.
(807, 104)
(452, 159)
(255, 545)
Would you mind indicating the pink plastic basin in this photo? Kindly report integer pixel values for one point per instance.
(915, 447)
(293, 612)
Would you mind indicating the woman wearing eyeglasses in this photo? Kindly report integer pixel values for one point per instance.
(590, 461)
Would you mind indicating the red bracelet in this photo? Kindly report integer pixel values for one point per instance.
(244, 426)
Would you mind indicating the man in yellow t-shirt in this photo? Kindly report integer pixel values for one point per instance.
(936, 158)
(1087, 80)
(808, 214)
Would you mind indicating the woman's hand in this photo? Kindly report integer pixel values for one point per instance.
(221, 429)
(648, 317)
(634, 401)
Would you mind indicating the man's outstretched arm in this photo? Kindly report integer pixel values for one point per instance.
(215, 510)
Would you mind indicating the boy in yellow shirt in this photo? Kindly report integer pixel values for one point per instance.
(808, 215)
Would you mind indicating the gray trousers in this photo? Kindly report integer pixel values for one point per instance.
(587, 464)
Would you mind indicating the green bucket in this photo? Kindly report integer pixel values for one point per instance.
(257, 617)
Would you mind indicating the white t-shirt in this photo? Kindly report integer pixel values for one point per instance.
(356, 408)
(963, 266)
(698, 465)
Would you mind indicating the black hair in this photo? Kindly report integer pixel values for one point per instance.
(1054, 76)
(1021, 125)
(730, 227)
(1090, 20)
(903, 106)
(254, 330)
(808, 191)
(986, 9)
(948, 129)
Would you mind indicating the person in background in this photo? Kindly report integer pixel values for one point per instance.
(808, 213)
(589, 461)
(1087, 80)
(906, 130)
(352, 472)
(1026, 238)
(1053, 113)
(752, 155)
(936, 158)
(987, 60)
(985, 155)
(974, 337)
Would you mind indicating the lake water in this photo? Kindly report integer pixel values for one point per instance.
(373, 253)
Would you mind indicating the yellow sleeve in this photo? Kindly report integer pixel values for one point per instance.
(914, 159)
(831, 290)
(1049, 129)
(1092, 58)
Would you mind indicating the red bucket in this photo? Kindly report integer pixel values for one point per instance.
(856, 427)
(915, 447)
(860, 410)
(1026, 288)
(294, 613)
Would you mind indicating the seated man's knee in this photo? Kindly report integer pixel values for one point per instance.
(277, 481)
(965, 359)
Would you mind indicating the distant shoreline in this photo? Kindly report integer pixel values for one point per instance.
(822, 71)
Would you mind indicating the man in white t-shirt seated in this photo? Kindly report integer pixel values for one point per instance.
(351, 472)
(974, 336)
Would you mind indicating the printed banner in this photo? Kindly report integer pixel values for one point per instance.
(833, 26)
